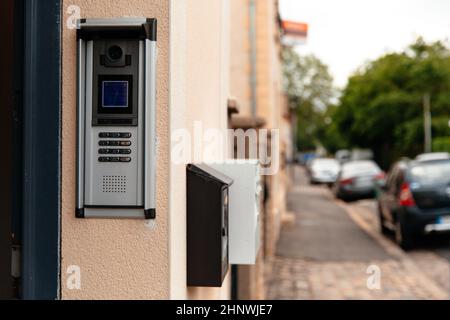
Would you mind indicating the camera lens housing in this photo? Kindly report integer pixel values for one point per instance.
(115, 52)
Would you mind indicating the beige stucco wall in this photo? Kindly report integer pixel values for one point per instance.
(118, 259)
(268, 63)
(270, 107)
(199, 55)
(240, 67)
(268, 76)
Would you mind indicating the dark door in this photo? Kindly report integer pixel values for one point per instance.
(41, 136)
(30, 155)
(11, 21)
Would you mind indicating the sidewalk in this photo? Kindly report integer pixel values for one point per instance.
(327, 255)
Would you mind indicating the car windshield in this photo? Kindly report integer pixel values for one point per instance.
(360, 168)
(325, 164)
(433, 172)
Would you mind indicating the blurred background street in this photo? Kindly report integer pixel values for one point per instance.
(327, 251)
(369, 195)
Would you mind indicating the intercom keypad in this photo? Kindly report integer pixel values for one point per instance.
(114, 143)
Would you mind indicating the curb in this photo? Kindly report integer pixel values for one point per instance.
(395, 251)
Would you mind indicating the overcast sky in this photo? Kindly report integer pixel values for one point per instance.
(346, 33)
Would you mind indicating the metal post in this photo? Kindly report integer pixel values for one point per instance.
(427, 123)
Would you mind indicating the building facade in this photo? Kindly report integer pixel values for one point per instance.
(209, 53)
(256, 84)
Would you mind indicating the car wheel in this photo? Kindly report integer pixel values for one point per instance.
(337, 194)
(383, 229)
(402, 237)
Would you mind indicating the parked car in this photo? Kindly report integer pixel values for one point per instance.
(361, 154)
(308, 164)
(358, 180)
(433, 156)
(416, 200)
(304, 157)
(323, 170)
(343, 156)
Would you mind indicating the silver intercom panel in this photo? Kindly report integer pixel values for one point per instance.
(116, 156)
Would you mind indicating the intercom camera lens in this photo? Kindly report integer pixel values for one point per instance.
(115, 52)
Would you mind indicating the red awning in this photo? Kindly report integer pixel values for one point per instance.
(294, 28)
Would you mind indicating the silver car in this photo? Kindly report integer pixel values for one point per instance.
(323, 170)
(358, 180)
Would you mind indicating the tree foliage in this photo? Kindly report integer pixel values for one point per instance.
(309, 87)
(381, 107)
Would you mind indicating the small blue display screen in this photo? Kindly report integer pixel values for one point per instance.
(115, 94)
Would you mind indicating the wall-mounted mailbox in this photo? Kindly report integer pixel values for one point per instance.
(116, 153)
(207, 226)
(244, 203)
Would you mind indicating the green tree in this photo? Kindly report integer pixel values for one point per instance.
(329, 134)
(381, 107)
(309, 87)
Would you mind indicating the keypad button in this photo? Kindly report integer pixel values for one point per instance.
(125, 143)
(114, 135)
(125, 135)
(122, 135)
(103, 143)
(125, 151)
(114, 159)
(103, 151)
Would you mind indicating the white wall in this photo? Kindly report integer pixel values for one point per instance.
(199, 89)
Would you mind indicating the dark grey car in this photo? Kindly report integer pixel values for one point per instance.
(416, 200)
(357, 180)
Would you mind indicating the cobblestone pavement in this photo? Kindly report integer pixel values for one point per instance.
(334, 251)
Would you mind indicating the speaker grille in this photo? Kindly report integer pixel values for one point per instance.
(114, 184)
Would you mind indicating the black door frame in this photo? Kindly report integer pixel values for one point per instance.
(41, 149)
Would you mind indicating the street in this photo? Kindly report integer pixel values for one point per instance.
(334, 250)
